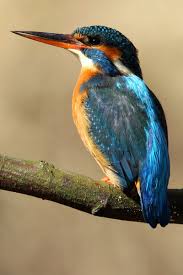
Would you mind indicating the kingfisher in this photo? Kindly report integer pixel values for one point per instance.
(119, 119)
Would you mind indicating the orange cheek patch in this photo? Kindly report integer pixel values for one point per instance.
(111, 52)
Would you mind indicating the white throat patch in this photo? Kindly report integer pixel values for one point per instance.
(86, 62)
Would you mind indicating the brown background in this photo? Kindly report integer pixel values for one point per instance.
(36, 82)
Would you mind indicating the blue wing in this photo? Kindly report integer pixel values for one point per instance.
(128, 125)
(118, 120)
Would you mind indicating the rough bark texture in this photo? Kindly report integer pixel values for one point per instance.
(41, 179)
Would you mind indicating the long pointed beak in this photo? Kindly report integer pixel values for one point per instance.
(66, 41)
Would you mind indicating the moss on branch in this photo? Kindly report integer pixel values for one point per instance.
(41, 179)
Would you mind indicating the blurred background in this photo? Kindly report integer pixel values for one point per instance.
(36, 82)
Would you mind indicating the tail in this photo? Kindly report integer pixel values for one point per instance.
(152, 188)
(154, 204)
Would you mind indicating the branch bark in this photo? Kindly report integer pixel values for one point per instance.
(41, 179)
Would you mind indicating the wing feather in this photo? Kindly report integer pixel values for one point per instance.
(118, 120)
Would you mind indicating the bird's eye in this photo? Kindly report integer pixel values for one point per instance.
(91, 40)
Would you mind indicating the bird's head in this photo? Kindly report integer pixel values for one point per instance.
(98, 47)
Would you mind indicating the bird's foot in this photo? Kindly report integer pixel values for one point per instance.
(107, 180)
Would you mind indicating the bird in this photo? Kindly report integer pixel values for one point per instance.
(119, 119)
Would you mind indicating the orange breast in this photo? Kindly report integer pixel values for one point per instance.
(81, 119)
(78, 99)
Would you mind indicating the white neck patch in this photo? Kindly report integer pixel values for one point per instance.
(122, 68)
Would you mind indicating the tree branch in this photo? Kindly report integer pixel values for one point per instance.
(41, 179)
